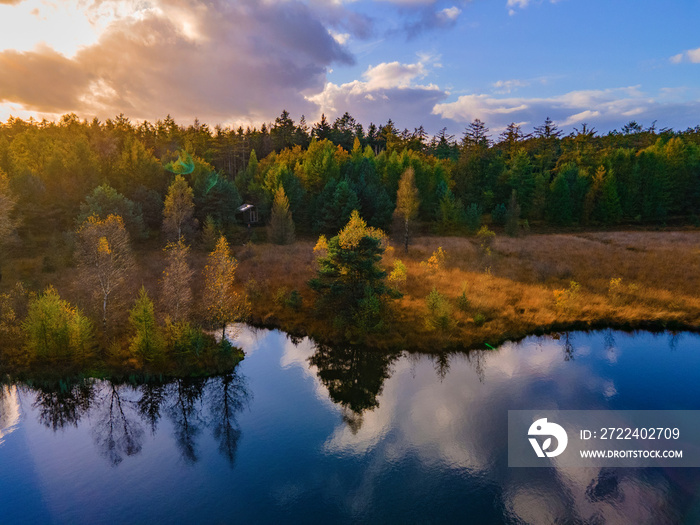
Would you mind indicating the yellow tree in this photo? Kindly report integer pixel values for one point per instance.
(407, 201)
(281, 229)
(223, 303)
(179, 208)
(104, 257)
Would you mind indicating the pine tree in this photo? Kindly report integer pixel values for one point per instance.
(350, 283)
(512, 225)
(281, 228)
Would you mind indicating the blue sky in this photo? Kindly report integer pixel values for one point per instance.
(431, 62)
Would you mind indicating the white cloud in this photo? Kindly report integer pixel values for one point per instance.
(387, 90)
(606, 109)
(522, 4)
(504, 87)
(690, 55)
(450, 13)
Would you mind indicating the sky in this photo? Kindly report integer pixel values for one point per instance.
(436, 63)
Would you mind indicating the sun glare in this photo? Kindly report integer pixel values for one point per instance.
(62, 25)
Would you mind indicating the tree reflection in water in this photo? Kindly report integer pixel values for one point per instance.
(63, 404)
(118, 431)
(354, 378)
(119, 413)
(227, 399)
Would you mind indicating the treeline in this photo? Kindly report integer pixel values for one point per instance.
(327, 170)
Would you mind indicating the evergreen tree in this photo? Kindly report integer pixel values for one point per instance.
(146, 342)
(350, 283)
(105, 201)
(512, 225)
(559, 207)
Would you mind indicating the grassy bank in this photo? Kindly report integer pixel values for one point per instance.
(526, 285)
(533, 284)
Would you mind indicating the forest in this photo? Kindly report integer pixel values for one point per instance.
(125, 246)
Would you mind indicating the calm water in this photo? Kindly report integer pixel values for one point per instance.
(317, 435)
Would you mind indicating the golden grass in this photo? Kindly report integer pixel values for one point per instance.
(512, 288)
(510, 292)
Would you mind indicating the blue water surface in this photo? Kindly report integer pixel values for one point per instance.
(301, 433)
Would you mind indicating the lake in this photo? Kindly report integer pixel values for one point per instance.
(306, 434)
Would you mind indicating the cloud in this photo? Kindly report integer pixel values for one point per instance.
(504, 87)
(388, 90)
(691, 55)
(220, 61)
(430, 18)
(522, 4)
(605, 109)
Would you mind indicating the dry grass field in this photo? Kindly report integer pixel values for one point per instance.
(620, 279)
(523, 286)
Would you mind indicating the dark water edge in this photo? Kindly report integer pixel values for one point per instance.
(305, 433)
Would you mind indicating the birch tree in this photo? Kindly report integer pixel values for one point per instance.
(104, 257)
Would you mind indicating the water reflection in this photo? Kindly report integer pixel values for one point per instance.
(9, 410)
(120, 413)
(350, 435)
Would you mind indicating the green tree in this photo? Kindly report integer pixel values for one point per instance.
(281, 228)
(407, 202)
(223, 303)
(350, 283)
(146, 342)
(512, 225)
(179, 209)
(105, 201)
(56, 332)
(521, 178)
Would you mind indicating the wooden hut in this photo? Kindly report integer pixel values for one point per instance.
(249, 212)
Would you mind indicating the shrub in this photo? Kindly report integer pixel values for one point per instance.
(565, 298)
(439, 316)
(485, 238)
(463, 303)
(398, 275)
(436, 261)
